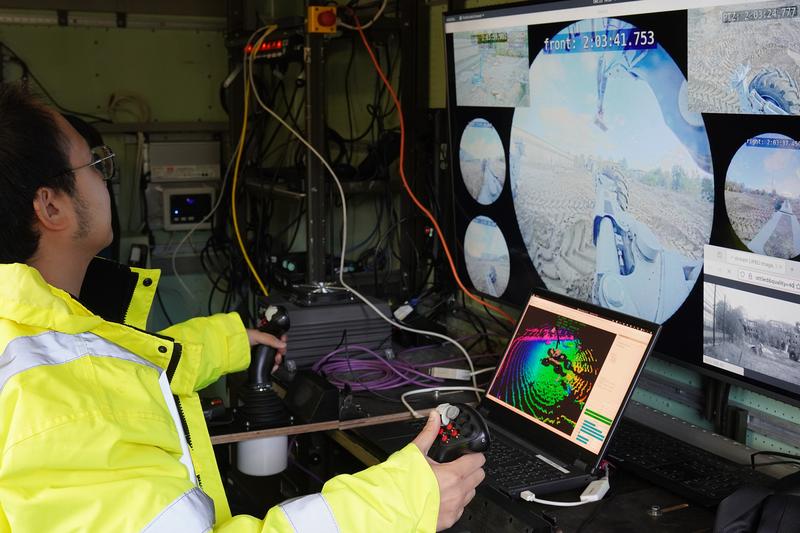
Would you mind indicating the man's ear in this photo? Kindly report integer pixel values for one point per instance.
(51, 208)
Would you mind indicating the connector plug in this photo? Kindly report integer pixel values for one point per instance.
(596, 490)
(403, 311)
(449, 373)
(592, 493)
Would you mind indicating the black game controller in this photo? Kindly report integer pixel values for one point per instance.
(463, 431)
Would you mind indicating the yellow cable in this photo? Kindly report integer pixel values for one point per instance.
(246, 72)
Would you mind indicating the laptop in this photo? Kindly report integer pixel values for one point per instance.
(559, 391)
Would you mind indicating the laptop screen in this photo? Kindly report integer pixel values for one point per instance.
(570, 367)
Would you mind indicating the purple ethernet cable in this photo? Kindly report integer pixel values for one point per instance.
(372, 374)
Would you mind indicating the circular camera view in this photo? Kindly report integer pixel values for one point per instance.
(486, 256)
(762, 195)
(482, 161)
(611, 172)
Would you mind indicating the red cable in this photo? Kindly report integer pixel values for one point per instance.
(405, 182)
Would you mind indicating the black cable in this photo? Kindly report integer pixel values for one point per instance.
(425, 277)
(223, 263)
(278, 128)
(373, 109)
(394, 246)
(358, 377)
(356, 4)
(389, 72)
(379, 208)
(793, 458)
(476, 323)
(221, 260)
(378, 248)
(26, 71)
(597, 508)
(211, 293)
(794, 462)
(261, 240)
(289, 103)
(348, 104)
(283, 147)
(508, 329)
(483, 332)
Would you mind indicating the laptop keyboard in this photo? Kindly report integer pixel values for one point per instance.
(512, 469)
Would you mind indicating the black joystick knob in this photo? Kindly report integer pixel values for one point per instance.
(463, 430)
(275, 322)
(260, 407)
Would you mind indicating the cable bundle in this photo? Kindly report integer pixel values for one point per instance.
(376, 374)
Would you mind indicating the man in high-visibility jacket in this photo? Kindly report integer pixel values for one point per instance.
(101, 428)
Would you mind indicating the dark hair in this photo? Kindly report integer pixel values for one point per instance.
(93, 138)
(33, 154)
(86, 130)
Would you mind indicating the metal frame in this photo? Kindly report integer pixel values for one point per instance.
(412, 28)
(316, 222)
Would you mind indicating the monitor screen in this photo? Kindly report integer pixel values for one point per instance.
(569, 370)
(751, 316)
(600, 146)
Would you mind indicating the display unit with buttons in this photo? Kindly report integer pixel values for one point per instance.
(187, 207)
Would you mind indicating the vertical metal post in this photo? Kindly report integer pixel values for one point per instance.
(444, 189)
(316, 242)
(235, 10)
(415, 48)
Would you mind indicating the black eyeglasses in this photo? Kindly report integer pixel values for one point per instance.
(102, 161)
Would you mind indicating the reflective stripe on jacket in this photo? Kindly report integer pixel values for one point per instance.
(101, 428)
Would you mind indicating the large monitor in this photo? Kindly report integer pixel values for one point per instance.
(605, 149)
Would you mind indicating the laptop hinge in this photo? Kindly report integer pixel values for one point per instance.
(580, 466)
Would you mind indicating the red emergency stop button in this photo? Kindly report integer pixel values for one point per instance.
(326, 18)
(321, 19)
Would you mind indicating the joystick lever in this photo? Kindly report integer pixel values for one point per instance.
(463, 430)
(275, 322)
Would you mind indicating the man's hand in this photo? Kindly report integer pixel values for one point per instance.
(259, 337)
(457, 479)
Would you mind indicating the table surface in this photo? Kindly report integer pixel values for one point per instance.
(626, 507)
(359, 409)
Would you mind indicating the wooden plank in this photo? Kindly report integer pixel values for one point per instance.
(382, 419)
(355, 448)
(274, 432)
(317, 426)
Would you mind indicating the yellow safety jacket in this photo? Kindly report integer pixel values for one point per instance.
(101, 428)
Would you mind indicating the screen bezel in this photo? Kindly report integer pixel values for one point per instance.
(561, 447)
(681, 358)
(710, 371)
